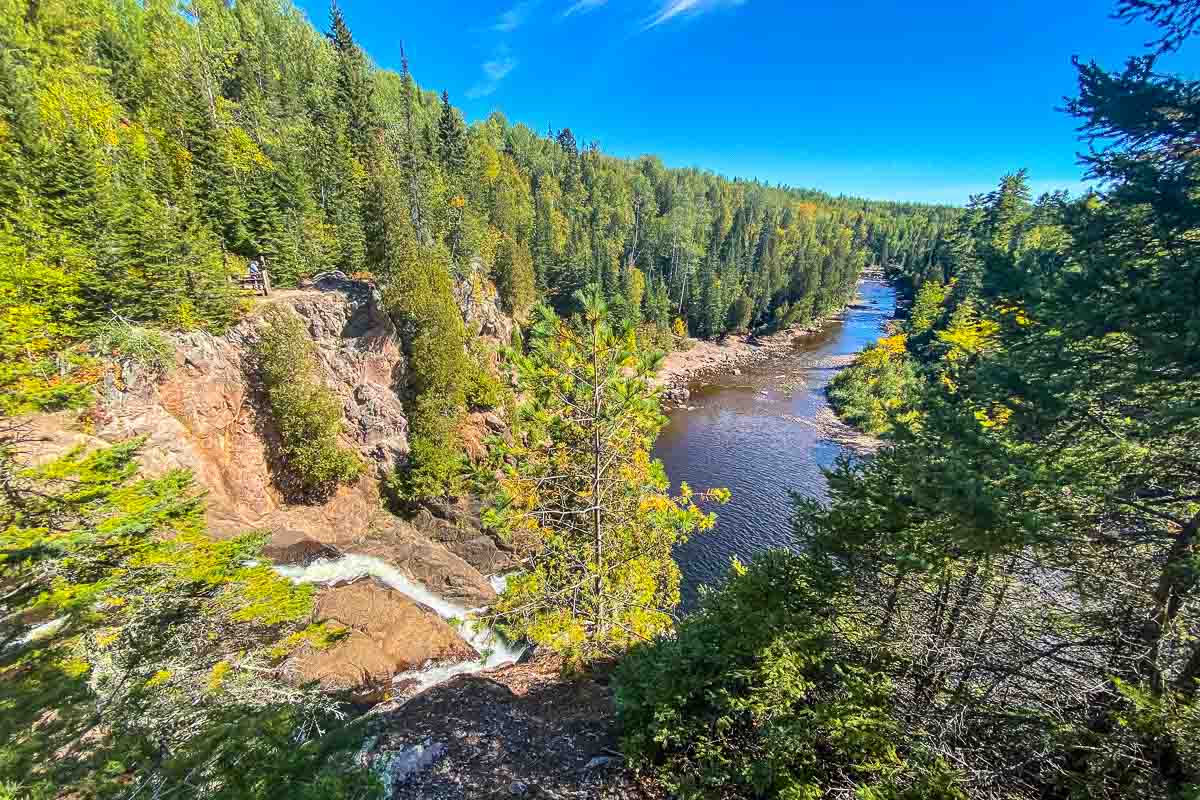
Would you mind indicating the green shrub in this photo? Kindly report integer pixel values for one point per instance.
(421, 299)
(653, 337)
(306, 412)
(753, 698)
(146, 347)
(436, 468)
(879, 390)
(788, 314)
(927, 307)
(40, 368)
(483, 388)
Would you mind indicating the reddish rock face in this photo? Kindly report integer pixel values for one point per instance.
(386, 634)
(207, 415)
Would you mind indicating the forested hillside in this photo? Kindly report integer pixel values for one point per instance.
(149, 150)
(998, 603)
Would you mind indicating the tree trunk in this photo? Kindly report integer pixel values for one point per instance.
(597, 533)
(1175, 583)
(1185, 681)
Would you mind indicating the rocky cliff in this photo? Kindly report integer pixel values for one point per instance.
(207, 415)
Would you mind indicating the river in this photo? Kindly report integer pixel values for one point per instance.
(753, 434)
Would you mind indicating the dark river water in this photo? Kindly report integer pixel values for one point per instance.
(752, 434)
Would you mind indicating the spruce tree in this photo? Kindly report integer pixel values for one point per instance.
(452, 141)
(354, 87)
(514, 278)
(411, 159)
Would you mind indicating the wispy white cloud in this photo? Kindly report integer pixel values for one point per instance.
(495, 70)
(502, 61)
(670, 9)
(583, 5)
(514, 17)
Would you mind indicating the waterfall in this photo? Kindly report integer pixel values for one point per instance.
(491, 646)
(38, 632)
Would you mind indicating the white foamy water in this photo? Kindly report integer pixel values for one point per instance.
(500, 582)
(491, 646)
(38, 632)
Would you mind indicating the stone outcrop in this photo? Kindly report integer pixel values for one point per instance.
(207, 415)
(432, 564)
(480, 307)
(386, 634)
(456, 526)
(296, 547)
(360, 352)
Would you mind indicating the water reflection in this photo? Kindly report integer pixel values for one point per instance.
(748, 433)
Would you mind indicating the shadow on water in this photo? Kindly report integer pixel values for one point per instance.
(748, 433)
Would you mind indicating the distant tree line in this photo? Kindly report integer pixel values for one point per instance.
(149, 150)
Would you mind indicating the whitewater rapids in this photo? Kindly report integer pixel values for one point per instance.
(491, 646)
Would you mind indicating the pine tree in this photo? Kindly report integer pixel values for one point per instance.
(218, 190)
(354, 88)
(584, 488)
(452, 141)
(515, 279)
(740, 312)
(69, 186)
(566, 140)
(161, 641)
(411, 160)
(264, 223)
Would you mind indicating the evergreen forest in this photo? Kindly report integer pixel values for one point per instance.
(999, 602)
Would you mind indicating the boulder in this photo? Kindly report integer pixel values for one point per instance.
(676, 395)
(484, 554)
(386, 634)
(412, 760)
(430, 563)
(296, 547)
(456, 526)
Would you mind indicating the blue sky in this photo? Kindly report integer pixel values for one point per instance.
(927, 100)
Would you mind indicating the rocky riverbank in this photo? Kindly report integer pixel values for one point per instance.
(704, 359)
(832, 428)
